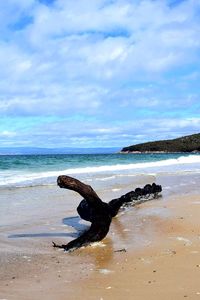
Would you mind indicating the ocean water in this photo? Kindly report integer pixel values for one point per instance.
(39, 170)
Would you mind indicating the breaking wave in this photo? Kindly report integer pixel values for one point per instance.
(25, 178)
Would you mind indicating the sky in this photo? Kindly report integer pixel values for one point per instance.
(98, 73)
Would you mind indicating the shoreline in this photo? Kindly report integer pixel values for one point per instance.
(159, 152)
(92, 171)
(159, 235)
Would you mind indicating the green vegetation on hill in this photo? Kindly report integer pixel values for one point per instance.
(188, 143)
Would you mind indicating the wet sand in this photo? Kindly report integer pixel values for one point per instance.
(152, 251)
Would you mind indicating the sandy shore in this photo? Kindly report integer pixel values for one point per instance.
(151, 252)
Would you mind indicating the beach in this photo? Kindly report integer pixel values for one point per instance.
(151, 251)
(101, 97)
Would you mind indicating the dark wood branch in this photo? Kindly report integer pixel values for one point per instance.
(96, 232)
(99, 213)
(86, 191)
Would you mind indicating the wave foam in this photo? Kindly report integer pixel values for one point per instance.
(45, 177)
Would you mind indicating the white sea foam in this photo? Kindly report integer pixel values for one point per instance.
(186, 241)
(116, 190)
(106, 178)
(105, 271)
(120, 167)
(45, 178)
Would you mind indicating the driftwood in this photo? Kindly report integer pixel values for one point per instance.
(100, 213)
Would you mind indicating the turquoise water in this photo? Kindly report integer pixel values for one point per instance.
(23, 170)
(64, 161)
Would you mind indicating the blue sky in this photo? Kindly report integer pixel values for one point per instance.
(98, 73)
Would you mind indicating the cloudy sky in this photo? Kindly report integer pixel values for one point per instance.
(98, 73)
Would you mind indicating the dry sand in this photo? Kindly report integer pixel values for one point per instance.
(156, 256)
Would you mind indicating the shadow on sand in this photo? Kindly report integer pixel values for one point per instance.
(70, 221)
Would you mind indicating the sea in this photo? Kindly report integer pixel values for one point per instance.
(17, 171)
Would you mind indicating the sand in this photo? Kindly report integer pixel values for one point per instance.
(151, 252)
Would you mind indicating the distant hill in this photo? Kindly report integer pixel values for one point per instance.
(190, 143)
(52, 151)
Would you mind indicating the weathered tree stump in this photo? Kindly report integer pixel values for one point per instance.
(100, 213)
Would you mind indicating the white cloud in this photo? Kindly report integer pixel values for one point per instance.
(87, 133)
(110, 59)
(154, 42)
(7, 134)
